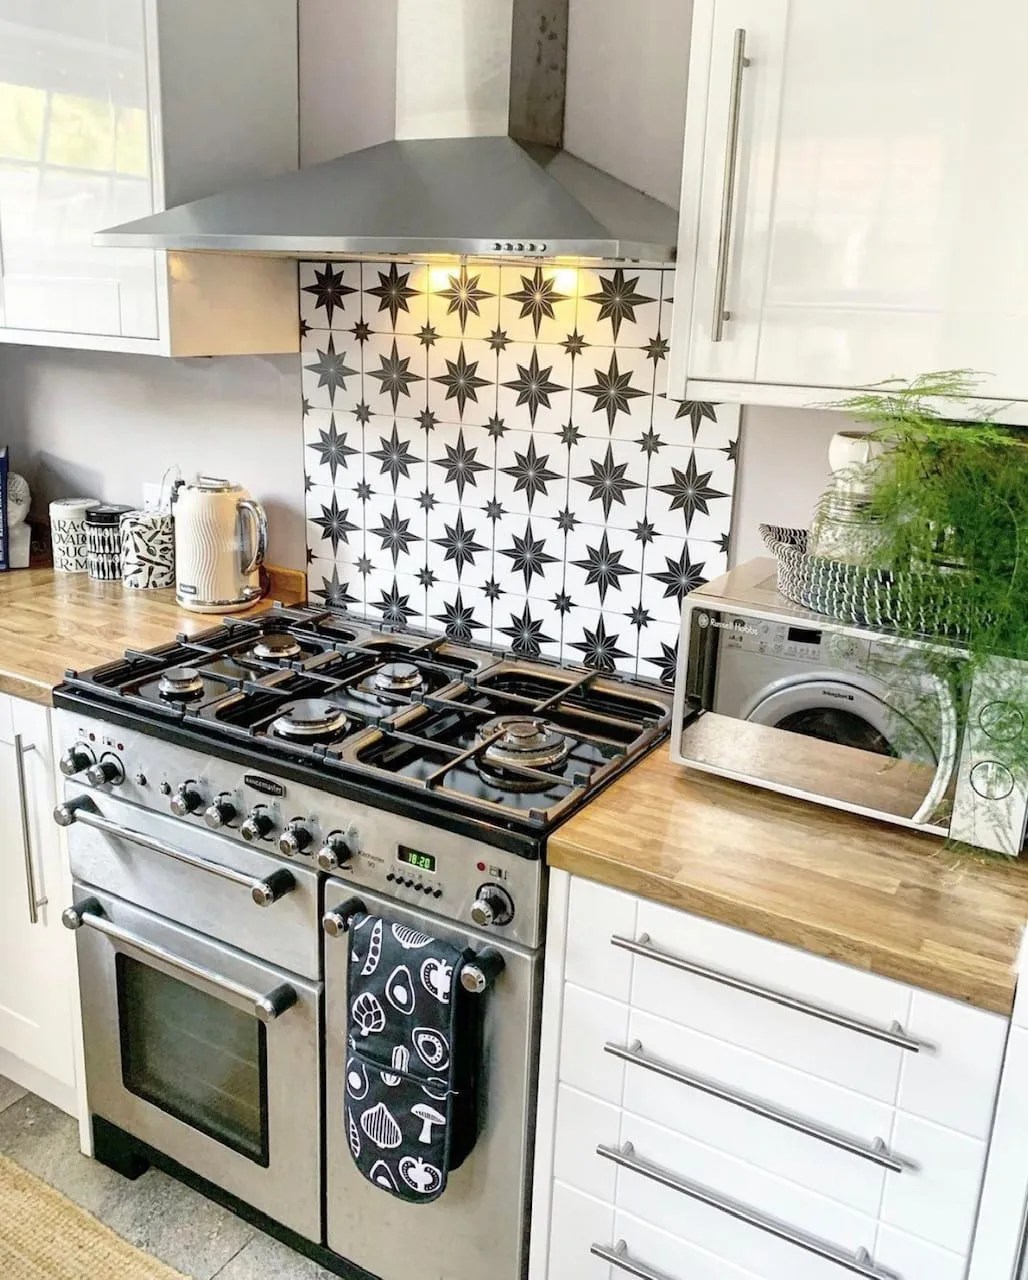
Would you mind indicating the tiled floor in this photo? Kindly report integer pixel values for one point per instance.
(169, 1220)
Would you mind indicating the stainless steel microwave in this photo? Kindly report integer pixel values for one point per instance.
(779, 697)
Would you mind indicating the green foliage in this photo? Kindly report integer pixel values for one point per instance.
(951, 492)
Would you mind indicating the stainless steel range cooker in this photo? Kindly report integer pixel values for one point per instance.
(233, 801)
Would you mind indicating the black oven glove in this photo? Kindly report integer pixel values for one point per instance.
(413, 1045)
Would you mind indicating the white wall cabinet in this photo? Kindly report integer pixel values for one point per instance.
(880, 198)
(38, 987)
(113, 109)
(739, 1136)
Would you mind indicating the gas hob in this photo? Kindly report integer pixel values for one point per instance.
(506, 744)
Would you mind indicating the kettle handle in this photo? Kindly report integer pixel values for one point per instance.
(259, 532)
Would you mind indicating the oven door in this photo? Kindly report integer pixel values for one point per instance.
(478, 1226)
(204, 1053)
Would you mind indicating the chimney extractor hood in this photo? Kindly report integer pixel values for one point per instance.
(481, 196)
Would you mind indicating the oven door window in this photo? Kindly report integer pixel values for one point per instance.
(194, 1056)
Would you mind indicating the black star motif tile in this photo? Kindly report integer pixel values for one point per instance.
(395, 297)
(694, 483)
(397, 534)
(603, 568)
(331, 371)
(613, 391)
(535, 380)
(696, 422)
(334, 448)
(465, 303)
(460, 544)
(538, 304)
(462, 465)
(330, 294)
(531, 473)
(398, 374)
(464, 615)
(526, 632)
(333, 521)
(335, 592)
(617, 306)
(608, 482)
(674, 566)
(462, 381)
(396, 599)
(398, 464)
(658, 654)
(534, 553)
(601, 641)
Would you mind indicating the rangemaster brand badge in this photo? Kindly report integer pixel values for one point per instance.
(266, 786)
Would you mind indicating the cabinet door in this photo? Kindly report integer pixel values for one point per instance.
(37, 977)
(880, 198)
(75, 156)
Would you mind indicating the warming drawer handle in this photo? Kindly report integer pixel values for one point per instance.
(619, 1257)
(860, 1263)
(875, 1151)
(266, 1005)
(894, 1034)
(264, 891)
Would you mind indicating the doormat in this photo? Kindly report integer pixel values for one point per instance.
(45, 1236)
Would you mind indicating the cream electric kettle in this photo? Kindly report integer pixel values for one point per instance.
(221, 536)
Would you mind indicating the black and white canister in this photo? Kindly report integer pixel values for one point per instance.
(103, 528)
(148, 550)
(69, 535)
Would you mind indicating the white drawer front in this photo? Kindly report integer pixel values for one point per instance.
(582, 1124)
(595, 913)
(940, 1202)
(6, 720)
(670, 1209)
(589, 1022)
(671, 1257)
(733, 1128)
(756, 1022)
(577, 1222)
(915, 1259)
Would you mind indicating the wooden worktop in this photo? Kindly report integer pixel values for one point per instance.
(880, 898)
(49, 622)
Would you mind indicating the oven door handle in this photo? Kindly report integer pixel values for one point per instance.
(264, 891)
(266, 1006)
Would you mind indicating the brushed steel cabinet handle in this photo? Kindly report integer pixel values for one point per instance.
(35, 900)
(859, 1263)
(724, 235)
(264, 891)
(875, 1151)
(619, 1258)
(894, 1034)
(266, 1006)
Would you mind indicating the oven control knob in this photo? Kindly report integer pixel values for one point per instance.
(340, 847)
(105, 771)
(492, 906)
(294, 839)
(257, 824)
(221, 812)
(75, 759)
(186, 800)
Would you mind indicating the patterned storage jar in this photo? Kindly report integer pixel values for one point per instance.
(148, 549)
(69, 535)
(104, 554)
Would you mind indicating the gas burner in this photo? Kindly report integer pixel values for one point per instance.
(178, 684)
(524, 741)
(311, 720)
(277, 646)
(398, 677)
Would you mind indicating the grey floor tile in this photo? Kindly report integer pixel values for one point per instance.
(267, 1259)
(178, 1225)
(9, 1092)
(44, 1140)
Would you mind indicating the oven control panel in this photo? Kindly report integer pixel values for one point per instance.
(416, 863)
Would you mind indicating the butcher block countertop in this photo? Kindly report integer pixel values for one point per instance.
(874, 896)
(49, 622)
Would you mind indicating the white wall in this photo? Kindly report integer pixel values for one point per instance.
(100, 425)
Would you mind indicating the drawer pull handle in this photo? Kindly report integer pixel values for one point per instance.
(264, 891)
(859, 1263)
(35, 898)
(894, 1035)
(876, 1151)
(620, 1258)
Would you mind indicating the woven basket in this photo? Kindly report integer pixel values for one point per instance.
(912, 604)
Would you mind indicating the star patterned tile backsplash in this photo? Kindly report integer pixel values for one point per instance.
(488, 452)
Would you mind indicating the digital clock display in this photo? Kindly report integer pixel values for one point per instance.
(416, 859)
